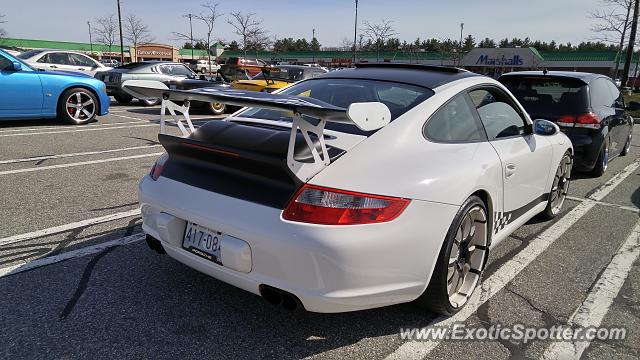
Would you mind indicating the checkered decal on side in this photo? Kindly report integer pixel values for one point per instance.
(501, 220)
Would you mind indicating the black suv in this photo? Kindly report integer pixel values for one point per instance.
(589, 109)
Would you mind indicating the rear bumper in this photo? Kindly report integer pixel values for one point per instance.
(329, 268)
(587, 145)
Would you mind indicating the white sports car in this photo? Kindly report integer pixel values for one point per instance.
(357, 189)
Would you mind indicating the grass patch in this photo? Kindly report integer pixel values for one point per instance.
(633, 97)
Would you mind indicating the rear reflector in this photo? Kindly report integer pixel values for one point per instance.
(318, 205)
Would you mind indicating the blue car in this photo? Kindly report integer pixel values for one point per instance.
(27, 93)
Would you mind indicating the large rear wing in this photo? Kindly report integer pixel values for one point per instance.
(366, 116)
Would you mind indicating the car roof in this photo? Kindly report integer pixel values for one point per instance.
(583, 76)
(420, 75)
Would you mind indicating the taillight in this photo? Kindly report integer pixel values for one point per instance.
(156, 169)
(318, 205)
(587, 120)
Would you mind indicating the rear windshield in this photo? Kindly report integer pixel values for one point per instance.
(282, 74)
(549, 97)
(400, 98)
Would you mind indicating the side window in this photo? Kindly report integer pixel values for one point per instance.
(79, 60)
(59, 59)
(600, 94)
(44, 59)
(5, 64)
(498, 116)
(454, 122)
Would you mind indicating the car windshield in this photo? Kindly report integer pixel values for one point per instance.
(28, 54)
(282, 74)
(549, 97)
(398, 97)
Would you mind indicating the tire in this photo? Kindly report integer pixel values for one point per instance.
(147, 102)
(603, 160)
(123, 99)
(216, 108)
(469, 230)
(627, 146)
(77, 106)
(559, 188)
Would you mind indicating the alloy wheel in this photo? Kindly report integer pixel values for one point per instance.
(467, 256)
(80, 106)
(560, 186)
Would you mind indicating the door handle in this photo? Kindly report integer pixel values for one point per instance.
(53, 67)
(510, 170)
(81, 69)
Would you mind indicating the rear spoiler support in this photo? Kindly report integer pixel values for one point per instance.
(168, 105)
(305, 171)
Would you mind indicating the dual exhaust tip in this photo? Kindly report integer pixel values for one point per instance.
(280, 298)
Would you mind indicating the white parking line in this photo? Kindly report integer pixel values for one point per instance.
(82, 163)
(212, 117)
(68, 227)
(89, 250)
(621, 207)
(70, 126)
(78, 130)
(508, 271)
(597, 304)
(49, 157)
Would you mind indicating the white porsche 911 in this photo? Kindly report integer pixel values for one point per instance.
(357, 189)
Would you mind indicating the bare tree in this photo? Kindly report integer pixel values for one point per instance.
(209, 17)
(346, 44)
(258, 39)
(3, 33)
(135, 31)
(245, 26)
(379, 33)
(612, 24)
(107, 30)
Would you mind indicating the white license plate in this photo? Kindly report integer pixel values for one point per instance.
(202, 241)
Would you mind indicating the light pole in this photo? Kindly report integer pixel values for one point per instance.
(121, 41)
(90, 40)
(314, 50)
(460, 50)
(355, 34)
(191, 33)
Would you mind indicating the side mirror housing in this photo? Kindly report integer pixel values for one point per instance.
(633, 106)
(545, 127)
(17, 66)
(369, 116)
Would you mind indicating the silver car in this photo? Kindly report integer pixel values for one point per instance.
(55, 60)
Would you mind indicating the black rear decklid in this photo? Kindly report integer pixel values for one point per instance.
(241, 161)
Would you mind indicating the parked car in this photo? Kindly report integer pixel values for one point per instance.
(53, 60)
(589, 108)
(421, 171)
(204, 66)
(275, 78)
(235, 69)
(174, 75)
(28, 93)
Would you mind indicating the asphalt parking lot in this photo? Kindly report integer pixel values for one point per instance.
(76, 281)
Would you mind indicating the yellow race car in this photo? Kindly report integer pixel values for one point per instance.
(275, 78)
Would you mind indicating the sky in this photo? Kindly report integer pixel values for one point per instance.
(559, 20)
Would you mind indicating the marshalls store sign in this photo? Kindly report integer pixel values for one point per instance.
(516, 57)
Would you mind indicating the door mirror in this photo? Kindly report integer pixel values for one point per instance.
(545, 127)
(16, 66)
(633, 106)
